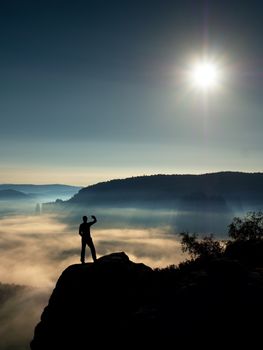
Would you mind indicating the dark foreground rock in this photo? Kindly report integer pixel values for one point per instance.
(116, 303)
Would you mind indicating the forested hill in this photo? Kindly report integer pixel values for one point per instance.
(213, 188)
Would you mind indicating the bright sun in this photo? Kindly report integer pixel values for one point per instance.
(205, 75)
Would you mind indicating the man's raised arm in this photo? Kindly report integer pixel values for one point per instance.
(94, 220)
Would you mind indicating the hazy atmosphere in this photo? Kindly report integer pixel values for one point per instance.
(96, 90)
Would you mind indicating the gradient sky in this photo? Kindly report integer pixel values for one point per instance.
(92, 90)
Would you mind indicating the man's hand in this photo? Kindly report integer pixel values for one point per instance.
(94, 219)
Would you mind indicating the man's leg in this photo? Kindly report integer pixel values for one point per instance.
(92, 249)
(83, 248)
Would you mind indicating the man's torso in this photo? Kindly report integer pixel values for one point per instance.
(85, 229)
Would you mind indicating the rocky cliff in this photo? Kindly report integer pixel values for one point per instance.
(118, 303)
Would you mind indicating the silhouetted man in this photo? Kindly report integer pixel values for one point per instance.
(84, 231)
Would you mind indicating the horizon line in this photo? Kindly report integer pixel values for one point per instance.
(130, 177)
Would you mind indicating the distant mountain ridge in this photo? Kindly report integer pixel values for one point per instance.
(172, 190)
(29, 188)
(10, 194)
(42, 192)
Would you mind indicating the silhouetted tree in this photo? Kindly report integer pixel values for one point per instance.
(206, 247)
(248, 228)
(246, 244)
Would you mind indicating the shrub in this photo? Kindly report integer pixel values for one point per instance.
(204, 248)
(248, 228)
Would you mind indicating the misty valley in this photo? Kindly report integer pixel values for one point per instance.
(139, 216)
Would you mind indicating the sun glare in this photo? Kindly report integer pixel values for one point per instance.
(205, 75)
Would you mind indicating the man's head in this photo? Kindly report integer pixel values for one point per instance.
(85, 219)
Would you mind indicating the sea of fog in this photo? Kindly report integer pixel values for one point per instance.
(36, 247)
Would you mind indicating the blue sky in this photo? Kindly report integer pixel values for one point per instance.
(93, 90)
